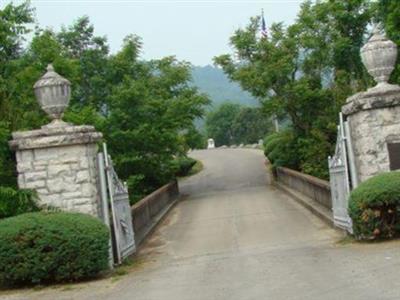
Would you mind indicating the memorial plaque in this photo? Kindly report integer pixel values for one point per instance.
(394, 156)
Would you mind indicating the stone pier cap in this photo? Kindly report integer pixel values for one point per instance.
(49, 136)
(383, 96)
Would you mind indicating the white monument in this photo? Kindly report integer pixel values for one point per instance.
(211, 144)
(58, 161)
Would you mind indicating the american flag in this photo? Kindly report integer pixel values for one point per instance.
(264, 32)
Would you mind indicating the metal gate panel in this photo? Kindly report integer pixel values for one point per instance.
(340, 179)
(115, 203)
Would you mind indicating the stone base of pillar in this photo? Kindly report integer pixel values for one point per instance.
(59, 163)
(374, 121)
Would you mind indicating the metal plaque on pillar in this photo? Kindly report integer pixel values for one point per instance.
(394, 156)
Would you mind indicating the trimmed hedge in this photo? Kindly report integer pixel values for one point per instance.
(48, 247)
(374, 207)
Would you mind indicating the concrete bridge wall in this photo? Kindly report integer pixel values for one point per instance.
(149, 211)
(312, 187)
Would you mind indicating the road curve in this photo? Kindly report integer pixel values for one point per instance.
(234, 237)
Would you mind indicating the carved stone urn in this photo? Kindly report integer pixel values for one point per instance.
(53, 93)
(373, 116)
(379, 56)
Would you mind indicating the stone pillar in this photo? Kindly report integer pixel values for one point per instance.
(58, 161)
(60, 165)
(374, 115)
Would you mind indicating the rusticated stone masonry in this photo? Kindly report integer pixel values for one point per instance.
(374, 120)
(59, 163)
(374, 115)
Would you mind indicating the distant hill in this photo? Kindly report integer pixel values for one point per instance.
(213, 82)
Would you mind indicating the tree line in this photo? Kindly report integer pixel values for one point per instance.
(145, 109)
(235, 124)
(305, 71)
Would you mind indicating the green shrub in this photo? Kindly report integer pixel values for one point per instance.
(15, 202)
(47, 247)
(374, 207)
(280, 149)
(184, 165)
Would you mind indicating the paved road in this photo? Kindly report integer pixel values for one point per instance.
(234, 237)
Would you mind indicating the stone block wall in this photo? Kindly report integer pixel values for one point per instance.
(61, 166)
(374, 121)
(371, 131)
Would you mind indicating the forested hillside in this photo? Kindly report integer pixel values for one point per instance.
(212, 81)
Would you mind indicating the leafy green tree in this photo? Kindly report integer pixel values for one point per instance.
(235, 124)
(250, 125)
(149, 108)
(194, 139)
(219, 123)
(14, 25)
(145, 109)
(280, 148)
(388, 12)
(91, 55)
(304, 71)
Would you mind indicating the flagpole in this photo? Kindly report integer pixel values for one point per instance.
(263, 25)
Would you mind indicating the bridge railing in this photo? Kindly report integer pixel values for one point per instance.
(315, 188)
(147, 212)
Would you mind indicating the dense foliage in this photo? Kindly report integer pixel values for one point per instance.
(280, 148)
(230, 124)
(185, 165)
(14, 202)
(374, 207)
(304, 72)
(389, 15)
(145, 109)
(48, 247)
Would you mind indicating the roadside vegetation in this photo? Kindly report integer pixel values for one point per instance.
(305, 71)
(145, 109)
(374, 207)
(234, 124)
(51, 247)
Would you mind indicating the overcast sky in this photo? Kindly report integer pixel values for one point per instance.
(193, 30)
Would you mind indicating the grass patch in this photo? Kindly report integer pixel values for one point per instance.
(348, 239)
(127, 266)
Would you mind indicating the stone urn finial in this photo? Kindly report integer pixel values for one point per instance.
(53, 93)
(379, 56)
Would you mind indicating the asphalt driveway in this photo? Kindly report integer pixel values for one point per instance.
(235, 237)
